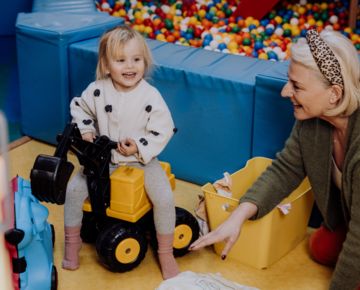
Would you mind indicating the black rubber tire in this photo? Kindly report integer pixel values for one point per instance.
(109, 239)
(52, 235)
(183, 217)
(89, 230)
(54, 278)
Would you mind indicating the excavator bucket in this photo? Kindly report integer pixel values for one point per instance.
(49, 177)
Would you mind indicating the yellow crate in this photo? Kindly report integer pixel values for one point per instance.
(264, 241)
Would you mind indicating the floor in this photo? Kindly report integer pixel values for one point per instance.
(295, 271)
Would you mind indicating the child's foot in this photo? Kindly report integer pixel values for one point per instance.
(72, 248)
(169, 267)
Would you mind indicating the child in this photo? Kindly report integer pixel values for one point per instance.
(123, 106)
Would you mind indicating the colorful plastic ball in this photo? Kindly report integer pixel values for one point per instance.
(222, 46)
(263, 55)
(272, 55)
(258, 45)
(246, 41)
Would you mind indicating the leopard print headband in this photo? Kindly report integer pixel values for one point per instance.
(325, 59)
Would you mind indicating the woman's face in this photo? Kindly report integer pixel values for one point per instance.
(308, 94)
(128, 68)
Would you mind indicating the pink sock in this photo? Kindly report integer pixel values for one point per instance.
(169, 267)
(72, 248)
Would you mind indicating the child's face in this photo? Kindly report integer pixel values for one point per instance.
(127, 69)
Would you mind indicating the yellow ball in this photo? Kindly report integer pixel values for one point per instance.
(319, 23)
(193, 21)
(122, 12)
(232, 45)
(138, 15)
(160, 37)
(355, 37)
(202, 13)
(148, 29)
(263, 55)
(311, 21)
(278, 19)
(323, 6)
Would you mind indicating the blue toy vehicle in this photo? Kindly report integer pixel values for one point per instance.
(30, 241)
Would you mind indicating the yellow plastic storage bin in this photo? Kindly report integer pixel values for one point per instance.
(264, 241)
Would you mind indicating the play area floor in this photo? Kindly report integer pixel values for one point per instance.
(294, 271)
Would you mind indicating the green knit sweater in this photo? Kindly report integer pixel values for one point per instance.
(308, 152)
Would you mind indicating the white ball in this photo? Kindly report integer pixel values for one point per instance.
(279, 31)
(165, 8)
(214, 44)
(333, 19)
(294, 21)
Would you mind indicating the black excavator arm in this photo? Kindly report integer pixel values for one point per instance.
(50, 174)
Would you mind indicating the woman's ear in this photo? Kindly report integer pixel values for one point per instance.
(336, 94)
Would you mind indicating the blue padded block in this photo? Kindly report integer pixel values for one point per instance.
(42, 50)
(210, 96)
(73, 6)
(9, 11)
(273, 115)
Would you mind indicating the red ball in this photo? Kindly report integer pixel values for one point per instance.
(325, 245)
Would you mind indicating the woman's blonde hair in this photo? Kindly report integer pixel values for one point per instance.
(111, 44)
(347, 56)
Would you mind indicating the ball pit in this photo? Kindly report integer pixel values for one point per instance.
(214, 24)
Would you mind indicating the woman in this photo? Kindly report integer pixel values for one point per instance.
(324, 145)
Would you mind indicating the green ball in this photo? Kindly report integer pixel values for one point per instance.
(246, 41)
(272, 15)
(236, 29)
(287, 32)
(168, 24)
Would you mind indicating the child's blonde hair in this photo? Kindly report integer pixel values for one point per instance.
(111, 44)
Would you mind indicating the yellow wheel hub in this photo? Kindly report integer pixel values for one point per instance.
(127, 251)
(182, 236)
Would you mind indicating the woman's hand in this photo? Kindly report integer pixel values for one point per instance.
(127, 147)
(88, 137)
(229, 230)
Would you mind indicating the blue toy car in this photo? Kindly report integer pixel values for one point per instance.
(30, 241)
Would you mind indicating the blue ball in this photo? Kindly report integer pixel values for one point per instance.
(222, 46)
(258, 45)
(272, 55)
(252, 26)
(264, 22)
(269, 31)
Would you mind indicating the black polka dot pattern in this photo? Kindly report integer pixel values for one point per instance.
(143, 141)
(154, 133)
(108, 108)
(148, 108)
(175, 130)
(97, 93)
(87, 122)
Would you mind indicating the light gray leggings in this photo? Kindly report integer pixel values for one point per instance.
(157, 187)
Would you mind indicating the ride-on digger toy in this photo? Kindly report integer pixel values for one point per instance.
(118, 214)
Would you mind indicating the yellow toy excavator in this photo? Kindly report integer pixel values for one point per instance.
(118, 214)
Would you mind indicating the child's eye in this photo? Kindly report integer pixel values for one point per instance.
(120, 60)
(138, 59)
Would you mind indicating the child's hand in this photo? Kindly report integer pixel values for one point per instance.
(127, 147)
(88, 137)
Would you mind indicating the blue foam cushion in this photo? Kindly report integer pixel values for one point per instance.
(73, 6)
(42, 50)
(273, 115)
